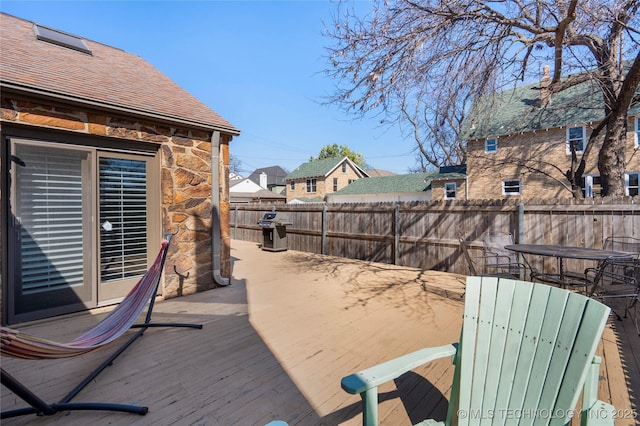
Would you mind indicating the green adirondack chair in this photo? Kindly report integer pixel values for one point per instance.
(526, 353)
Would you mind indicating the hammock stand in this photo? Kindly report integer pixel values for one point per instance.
(110, 328)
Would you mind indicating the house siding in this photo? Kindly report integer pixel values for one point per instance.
(437, 188)
(186, 180)
(324, 184)
(544, 150)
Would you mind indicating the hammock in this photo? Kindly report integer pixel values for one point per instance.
(22, 345)
(17, 344)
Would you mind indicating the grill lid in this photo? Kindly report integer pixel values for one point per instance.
(272, 219)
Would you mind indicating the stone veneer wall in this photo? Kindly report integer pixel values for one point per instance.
(186, 182)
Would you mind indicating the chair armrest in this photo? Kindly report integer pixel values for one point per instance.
(594, 411)
(600, 414)
(374, 376)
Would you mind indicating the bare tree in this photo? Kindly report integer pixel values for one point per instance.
(421, 62)
(235, 165)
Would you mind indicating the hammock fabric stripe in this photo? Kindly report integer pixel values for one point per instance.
(16, 344)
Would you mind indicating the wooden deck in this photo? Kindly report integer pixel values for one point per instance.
(276, 343)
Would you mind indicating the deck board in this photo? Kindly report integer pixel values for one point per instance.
(276, 343)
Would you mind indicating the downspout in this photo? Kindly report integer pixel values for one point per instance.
(215, 207)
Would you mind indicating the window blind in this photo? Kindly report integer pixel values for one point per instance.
(49, 213)
(123, 217)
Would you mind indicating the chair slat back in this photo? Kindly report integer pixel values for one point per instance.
(525, 351)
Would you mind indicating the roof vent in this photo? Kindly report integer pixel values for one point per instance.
(61, 39)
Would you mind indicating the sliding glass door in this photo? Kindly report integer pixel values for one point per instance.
(80, 232)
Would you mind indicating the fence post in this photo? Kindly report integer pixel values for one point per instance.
(235, 222)
(396, 241)
(323, 238)
(520, 224)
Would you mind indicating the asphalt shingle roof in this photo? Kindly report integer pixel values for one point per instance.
(414, 182)
(275, 175)
(108, 78)
(515, 111)
(417, 182)
(315, 168)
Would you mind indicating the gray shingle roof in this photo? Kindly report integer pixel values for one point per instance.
(515, 111)
(275, 175)
(108, 78)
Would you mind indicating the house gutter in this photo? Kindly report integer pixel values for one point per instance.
(215, 207)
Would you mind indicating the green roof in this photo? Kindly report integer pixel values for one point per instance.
(417, 182)
(319, 168)
(518, 111)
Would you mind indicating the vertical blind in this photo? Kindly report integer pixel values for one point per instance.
(49, 213)
(123, 218)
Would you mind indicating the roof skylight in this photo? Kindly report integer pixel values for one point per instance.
(61, 39)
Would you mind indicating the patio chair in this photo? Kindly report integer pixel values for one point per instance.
(498, 261)
(525, 350)
(616, 283)
(628, 244)
(18, 344)
(475, 264)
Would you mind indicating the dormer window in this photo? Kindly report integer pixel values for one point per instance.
(60, 38)
(491, 145)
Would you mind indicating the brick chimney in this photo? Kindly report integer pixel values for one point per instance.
(545, 93)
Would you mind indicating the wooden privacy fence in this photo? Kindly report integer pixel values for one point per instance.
(425, 234)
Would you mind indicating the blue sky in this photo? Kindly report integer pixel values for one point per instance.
(257, 63)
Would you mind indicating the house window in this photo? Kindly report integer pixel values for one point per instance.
(311, 185)
(450, 191)
(350, 181)
(631, 183)
(344, 167)
(637, 132)
(491, 145)
(592, 187)
(511, 187)
(292, 185)
(335, 184)
(576, 137)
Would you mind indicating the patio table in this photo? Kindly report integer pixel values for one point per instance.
(561, 252)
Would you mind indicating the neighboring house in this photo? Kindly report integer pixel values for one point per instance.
(271, 178)
(450, 183)
(101, 155)
(315, 179)
(234, 178)
(447, 183)
(379, 172)
(246, 191)
(518, 142)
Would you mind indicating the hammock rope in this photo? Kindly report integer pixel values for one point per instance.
(17, 344)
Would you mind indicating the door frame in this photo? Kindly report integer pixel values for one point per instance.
(103, 143)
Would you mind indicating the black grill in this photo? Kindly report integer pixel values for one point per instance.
(271, 220)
